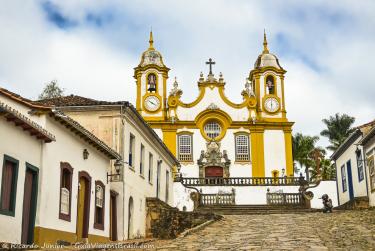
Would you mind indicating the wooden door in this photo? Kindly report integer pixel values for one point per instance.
(83, 207)
(113, 217)
(130, 218)
(213, 172)
(29, 206)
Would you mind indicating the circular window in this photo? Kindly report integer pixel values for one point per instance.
(212, 129)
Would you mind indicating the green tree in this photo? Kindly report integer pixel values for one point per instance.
(339, 127)
(51, 90)
(326, 169)
(302, 146)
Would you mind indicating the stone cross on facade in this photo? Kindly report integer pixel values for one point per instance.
(210, 62)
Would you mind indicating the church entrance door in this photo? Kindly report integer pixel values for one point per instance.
(214, 172)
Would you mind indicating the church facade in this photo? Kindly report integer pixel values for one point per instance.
(213, 136)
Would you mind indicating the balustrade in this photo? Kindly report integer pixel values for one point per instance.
(284, 199)
(241, 181)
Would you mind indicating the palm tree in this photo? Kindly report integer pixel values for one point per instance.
(302, 146)
(339, 127)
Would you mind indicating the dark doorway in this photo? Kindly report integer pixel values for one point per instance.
(29, 204)
(130, 218)
(214, 172)
(113, 216)
(350, 180)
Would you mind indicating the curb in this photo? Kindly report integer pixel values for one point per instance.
(194, 229)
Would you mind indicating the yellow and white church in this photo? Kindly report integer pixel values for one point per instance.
(213, 136)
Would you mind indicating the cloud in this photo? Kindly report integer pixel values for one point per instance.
(91, 47)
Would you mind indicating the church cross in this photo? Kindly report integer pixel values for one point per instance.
(210, 62)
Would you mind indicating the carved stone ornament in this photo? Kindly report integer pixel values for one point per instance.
(213, 157)
(212, 106)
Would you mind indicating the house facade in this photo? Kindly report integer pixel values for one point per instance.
(368, 146)
(148, 164)
(54, 171)
(352, 174)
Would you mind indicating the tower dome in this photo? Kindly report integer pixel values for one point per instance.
(151, 56)
(266, 58)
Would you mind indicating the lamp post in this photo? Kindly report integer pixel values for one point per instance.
(118, 164)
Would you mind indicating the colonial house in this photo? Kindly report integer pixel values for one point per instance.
(351, 173)
(368, 146)
(148, 164)
(53, 176)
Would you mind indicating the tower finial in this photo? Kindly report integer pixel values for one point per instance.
(151, 41)
(265, 48)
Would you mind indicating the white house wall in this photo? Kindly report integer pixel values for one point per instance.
(96, 166)
(359, 187)
(18, 144)
(137, 185)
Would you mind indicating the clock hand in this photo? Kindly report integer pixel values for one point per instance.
(152, 102)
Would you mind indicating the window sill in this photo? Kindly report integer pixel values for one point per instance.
(242, 162)
(150, 183)
(187, 162)
(7, 213)
(99, 226)
(141, 175)
(132, 168)
(64, 217)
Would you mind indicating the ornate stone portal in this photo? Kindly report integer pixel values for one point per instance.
(213, 158)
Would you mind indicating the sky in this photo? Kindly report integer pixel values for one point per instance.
(91, 47)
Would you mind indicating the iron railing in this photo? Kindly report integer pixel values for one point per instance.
(285, 199)
(241, 181)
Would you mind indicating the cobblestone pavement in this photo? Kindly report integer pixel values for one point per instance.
(341, 230)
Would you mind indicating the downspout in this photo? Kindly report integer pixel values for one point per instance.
(123, 174)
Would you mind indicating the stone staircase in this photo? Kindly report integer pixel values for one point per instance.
(254, 209)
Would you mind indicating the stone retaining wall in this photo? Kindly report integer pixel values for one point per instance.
(166, 222)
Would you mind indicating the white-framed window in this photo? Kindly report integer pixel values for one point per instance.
(343, 178)
(185, 147)
(212, 129)
(99, 196)
(64, 208)
(242, 147)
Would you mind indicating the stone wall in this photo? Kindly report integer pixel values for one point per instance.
(166, 222)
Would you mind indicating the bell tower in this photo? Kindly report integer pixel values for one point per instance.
(267, 80)
(151, 78)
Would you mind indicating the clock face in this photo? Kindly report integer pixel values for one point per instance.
(152, 103)
(271, 104)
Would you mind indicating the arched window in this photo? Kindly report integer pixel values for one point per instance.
(270, 83)
(212, 129)
(99, 205)
(151, 82)
(66, 174)
(185, 147)
(242, 147)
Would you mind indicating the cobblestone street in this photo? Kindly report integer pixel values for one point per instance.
(344, 230)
